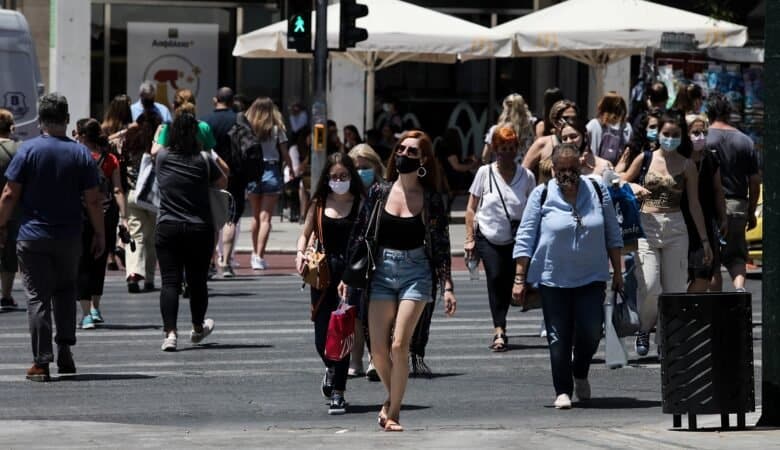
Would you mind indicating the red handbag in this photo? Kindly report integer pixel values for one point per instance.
(341, 332)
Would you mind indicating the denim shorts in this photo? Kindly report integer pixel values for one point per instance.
(270, 182)
(402, 275)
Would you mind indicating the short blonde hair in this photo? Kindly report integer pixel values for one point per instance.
(366, 152)
(690, 119)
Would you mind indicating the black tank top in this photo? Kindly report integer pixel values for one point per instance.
(401, 233)
(335, 232)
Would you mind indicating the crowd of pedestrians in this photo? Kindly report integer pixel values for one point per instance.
(539, 216)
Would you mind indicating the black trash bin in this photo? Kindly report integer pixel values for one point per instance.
(707, 356)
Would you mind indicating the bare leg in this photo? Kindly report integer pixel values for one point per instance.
(357, 348)
(96, 301)
(255, 200)
(381, 316)
(266, 211)
(406, 318)
(716, 284)
(228, 236)
(737, 272)
(86, 305)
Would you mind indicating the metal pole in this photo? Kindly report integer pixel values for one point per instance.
(319, 109)
(770, 308)
(491, 112)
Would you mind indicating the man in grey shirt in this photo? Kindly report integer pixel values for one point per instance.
(741, 186)
(49, 176)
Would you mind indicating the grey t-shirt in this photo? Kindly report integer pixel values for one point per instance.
(184, 186)
(738, 160)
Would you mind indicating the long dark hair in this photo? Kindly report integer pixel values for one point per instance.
(118, 115)
(639, 141)
(355, 183)
(551, 97)
(139, 139)
(579, 125)
(90, 130)
(183, 132)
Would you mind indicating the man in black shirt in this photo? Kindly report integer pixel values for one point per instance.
(221, 120)
(741, 185)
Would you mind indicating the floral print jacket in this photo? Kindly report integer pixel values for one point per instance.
(437, 239)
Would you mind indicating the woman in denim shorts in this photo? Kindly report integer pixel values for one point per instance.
(413, 258)
(268, 125)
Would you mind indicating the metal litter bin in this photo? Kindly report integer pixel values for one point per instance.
(707, 356)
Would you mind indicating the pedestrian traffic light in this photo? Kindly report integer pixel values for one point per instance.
(349, 34)
(299, 25)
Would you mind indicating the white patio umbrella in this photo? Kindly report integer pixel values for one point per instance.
(598, 32)
(397, 32)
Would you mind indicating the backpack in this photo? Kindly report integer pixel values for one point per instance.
(245, 158)
(612, 144)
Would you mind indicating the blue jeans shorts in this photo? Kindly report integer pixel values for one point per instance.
(402, 275)
(270, 182)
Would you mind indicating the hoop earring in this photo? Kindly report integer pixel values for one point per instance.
(421, 172)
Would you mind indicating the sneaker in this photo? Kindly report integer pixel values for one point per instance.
(65, 364)
(338, 405)
(355, 370)
(642, 344)
(96, 316)
(227, 272)
(371, 373)
(543, 330)
(327, 382)
(185, 291)
(38, 373)
(258, 263)
(208, 327)
(212, 271)
(582, 389)
(169, 343)
(149, 286)
(562, 402)
(8, 304)
(741, 289)
(87, 322)
(418, 367)
(133, 286)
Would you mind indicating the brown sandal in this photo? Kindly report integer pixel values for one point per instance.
(393, 425)
(500, 342)
(382, 417)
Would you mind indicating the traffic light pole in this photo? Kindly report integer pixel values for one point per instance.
(319, 111)
(770, 308)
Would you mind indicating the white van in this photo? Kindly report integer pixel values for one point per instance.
(20, 77)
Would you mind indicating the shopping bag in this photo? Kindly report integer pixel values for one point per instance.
(625, 317)
(147, 191)
(615, 354)
(341, 332)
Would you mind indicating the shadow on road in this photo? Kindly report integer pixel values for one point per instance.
(218, 346)
(104, 377)
(117, 326)
(232, 294)
(526, 347)
(435, 375)
(374, 409)
(617, 403)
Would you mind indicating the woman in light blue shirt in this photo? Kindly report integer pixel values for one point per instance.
(567, 238)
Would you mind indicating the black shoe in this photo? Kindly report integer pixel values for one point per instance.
(65, 364)
(8, 304)
(185, 291)
(642, 344)
(338, 405)
(112, 266)
(327, 383)
(132, 286)
(149, 286)
(419, 368)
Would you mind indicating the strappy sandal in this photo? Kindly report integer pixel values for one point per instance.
(382, 417)
(393, 425)
(499, 346)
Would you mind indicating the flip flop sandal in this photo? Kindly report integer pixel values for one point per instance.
(382, 417)
(393, 425)
(499, 346)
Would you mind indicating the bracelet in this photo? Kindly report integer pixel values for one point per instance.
(519, 282)
(449, 289)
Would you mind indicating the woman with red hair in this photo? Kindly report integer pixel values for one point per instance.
(498, 197)
(411, 257)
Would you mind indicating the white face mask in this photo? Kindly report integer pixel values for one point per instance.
(339, 187)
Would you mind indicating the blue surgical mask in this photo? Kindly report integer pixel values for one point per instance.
(669, 144)
(652, 134)
(367, 175)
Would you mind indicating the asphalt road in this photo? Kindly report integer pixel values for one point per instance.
(259, 372)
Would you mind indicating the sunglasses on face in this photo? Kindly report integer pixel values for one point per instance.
(340, 177)
(410, 151)
(570, 137)
(698, 134)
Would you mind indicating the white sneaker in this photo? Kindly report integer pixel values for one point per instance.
(258, 263)
(562, 402)
(582, 389)
(169, 343)
(208, 327)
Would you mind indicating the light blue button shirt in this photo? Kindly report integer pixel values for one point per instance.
(566, 252)
(136, 109)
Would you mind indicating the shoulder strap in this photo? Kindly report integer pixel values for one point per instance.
(598, 190)
(648, 158)
(5, 150)
(543, 197)
(320, 211)
(498, 189)
(208, 166)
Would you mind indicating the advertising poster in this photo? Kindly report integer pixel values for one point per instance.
(174, 56)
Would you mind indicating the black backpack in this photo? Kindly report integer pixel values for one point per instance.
(105, 185)
(245, 158)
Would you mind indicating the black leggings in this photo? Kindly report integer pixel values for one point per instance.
(183, 249)
(92, 271)
(322, 318)
(499, 273)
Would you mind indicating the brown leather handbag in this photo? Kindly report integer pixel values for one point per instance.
(316, 272)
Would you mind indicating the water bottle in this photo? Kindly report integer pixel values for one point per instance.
(473, 265)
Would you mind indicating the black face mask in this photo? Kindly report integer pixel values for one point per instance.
(405, 164)
(147, 103)
(568, 177)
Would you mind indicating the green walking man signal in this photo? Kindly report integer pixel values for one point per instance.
(300, 25)
(299, 13)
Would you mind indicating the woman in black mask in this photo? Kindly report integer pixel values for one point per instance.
(412, 261)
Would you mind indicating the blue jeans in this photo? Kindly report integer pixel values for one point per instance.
(402, 275)
(573, 317)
